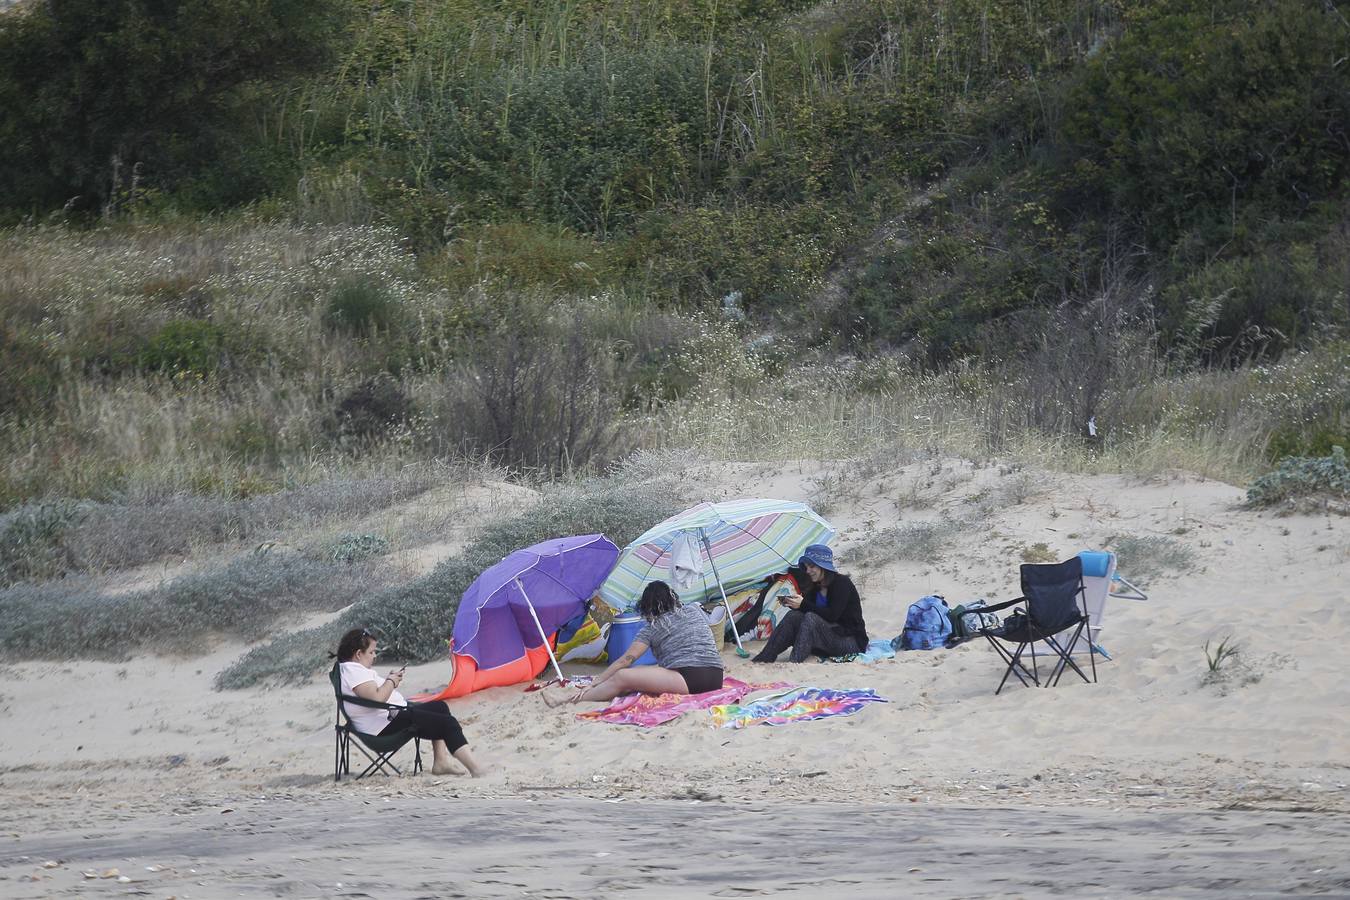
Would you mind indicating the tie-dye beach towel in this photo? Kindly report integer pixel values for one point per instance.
(795, 705)
(649, 710)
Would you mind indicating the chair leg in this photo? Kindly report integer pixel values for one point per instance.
(1066, 660)
(337, 753)
(1013, 660)
(1021, 667)
(380, 762)
(417, 755)
(1092, 656)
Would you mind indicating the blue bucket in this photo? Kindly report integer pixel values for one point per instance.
(622, 631)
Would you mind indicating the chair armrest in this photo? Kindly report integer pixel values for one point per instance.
(997, 606)
(362, 701)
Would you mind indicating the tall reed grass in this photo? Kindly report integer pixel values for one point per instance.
(500, 99)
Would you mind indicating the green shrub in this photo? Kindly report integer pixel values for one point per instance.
(33, 544)
(1152, 556)
(361, 305)
(187, 347)
(1315, 440)
(774, 255)
(1207, 115)
(525, 254)
(350, 548)
(1256, 305)
(1318, 480)
(29, 373)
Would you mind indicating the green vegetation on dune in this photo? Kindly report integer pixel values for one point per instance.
(689, 150)
(310, 236)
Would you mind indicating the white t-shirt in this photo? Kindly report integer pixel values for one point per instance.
(367, 719)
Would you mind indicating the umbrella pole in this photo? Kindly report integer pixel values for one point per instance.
(731, 619)
(537, 624)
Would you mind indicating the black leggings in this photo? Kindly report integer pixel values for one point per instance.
(431, 722)
(701, 679)
(808, 633)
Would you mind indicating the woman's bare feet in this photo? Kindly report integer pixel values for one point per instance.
(555, 698)
(446, 768)
(476, 769)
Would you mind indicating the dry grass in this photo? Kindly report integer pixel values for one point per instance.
(112, 431)
(1215, 424)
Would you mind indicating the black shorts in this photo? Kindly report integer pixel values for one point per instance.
(701, 679)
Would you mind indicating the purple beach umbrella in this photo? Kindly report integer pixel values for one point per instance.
(515, 605)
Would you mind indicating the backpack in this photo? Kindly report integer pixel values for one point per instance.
(969, 619)
(928, 624)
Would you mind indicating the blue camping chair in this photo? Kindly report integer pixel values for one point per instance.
(1053, 616)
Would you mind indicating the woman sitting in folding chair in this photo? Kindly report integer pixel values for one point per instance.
(827, 619)
(429, 721)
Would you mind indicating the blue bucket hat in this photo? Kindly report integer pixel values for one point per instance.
(818, 555)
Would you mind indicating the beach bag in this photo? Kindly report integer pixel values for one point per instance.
(928, 624)
(968, 620)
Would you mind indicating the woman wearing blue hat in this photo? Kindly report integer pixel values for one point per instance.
(827, 619)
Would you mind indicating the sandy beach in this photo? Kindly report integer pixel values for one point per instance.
(1178, 783)
(450, 847)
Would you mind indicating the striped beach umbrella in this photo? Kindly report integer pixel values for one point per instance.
(738, 543)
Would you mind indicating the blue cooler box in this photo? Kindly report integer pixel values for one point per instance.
(622, 631)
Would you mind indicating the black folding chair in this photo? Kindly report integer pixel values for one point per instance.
(1053, 603)
(377, 748)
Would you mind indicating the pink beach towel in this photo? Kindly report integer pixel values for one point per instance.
(650, 710)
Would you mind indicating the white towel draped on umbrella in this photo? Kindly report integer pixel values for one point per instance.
(686, 562)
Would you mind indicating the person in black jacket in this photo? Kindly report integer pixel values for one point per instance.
(827, 619)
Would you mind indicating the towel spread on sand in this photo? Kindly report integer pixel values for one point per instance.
(795, 705)
(875, 650)
(649, 710)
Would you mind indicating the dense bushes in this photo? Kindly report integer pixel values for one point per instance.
(1208, 117)
(103, 100)
(770, 148)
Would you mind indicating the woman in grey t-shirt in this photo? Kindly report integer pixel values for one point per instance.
(680, 639)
